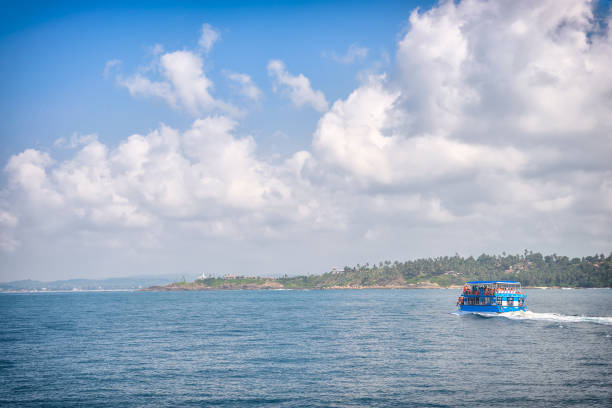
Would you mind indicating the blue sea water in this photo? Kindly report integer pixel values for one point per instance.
(330, 348)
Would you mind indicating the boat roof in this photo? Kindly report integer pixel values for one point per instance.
(497, 281)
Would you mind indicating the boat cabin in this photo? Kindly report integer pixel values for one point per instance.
(492, 296)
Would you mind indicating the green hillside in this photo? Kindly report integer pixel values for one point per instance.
(531, 269)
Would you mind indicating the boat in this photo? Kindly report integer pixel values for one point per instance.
(492, 297)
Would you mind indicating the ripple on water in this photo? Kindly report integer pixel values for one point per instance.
(301, 348)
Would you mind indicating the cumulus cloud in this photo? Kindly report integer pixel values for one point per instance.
(184, 71)
(208, 37)
(363, 136)
(204, 173)
(536, 75)
(183, 84)
(495, 111)
(28, 172)
(151, 191)
(179, 79)
(298, 87)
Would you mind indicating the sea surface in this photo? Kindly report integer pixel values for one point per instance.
(318, 348)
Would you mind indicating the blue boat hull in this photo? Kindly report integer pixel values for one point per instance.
(491, 308)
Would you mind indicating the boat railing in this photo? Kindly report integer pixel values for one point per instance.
(491, 291)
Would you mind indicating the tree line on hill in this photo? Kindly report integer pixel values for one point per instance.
(530, 268)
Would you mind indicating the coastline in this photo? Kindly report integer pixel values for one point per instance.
(275, 285)
(272, 285)
(170, 288)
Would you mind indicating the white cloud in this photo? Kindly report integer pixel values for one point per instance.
(298, 87)
(496, 113)
(536, 75)
(179, 79)
(140, 85)
(363, 135)
(353, 53)
(28, 171)
(183, 84)
(184, 71)
(208, 37)
(247, 86)
(204, 173)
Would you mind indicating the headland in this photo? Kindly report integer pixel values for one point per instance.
(531, 269)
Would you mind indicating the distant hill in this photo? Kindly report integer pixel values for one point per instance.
(136, 282)
(531, 269)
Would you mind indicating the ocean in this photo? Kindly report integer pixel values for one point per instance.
(311, 348)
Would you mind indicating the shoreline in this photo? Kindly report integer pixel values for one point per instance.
(201, 288)
(195, 288)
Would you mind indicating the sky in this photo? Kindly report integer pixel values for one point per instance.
(272, 138)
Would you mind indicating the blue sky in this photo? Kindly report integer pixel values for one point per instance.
(291, 137)
(54, 57)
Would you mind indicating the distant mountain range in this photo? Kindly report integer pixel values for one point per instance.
(135, 282)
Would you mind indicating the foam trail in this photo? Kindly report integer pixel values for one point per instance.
(555, 317)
